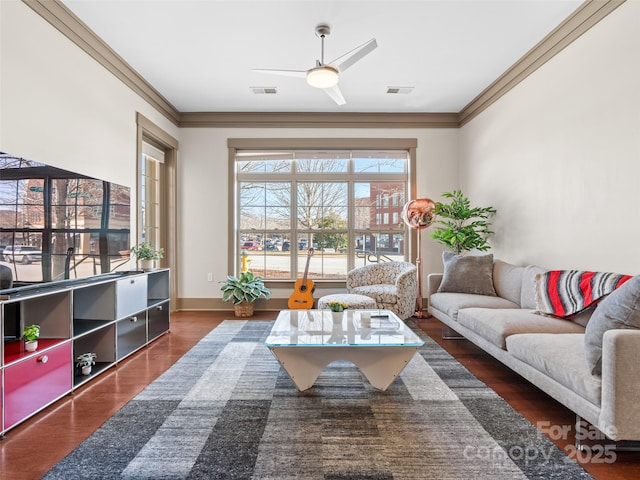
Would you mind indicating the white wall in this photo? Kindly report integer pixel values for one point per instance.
(559, 155)
(60, 107)
(203, 194)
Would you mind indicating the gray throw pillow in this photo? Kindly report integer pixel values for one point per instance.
(467, 274)
(619, 309)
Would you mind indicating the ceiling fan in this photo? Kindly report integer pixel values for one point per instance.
(326, 75)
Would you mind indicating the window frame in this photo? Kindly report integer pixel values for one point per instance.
(149, 132)
(356, 144)
(150, 190)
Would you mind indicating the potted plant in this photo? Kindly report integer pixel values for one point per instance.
(462, 227)
(30, 337)
(85, 361)
(337, 306)
(147, 254)
(243, 291)
(337, 309)
(337, 314)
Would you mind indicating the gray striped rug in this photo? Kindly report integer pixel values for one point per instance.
(226, 410)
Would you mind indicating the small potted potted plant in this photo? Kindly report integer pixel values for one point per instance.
(337, 309)
(85, 361)
(30, 337)
(147, 254)
(243, 291)
(337, 306)
(337, 315)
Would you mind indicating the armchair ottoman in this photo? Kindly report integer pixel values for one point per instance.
(354, 302)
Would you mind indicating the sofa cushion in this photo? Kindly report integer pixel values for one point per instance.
(507, 280)
(528, 295)
(467, 274)
(451, 303)
(559, 356)
(495, 325)
(583, 317)
(620, 309)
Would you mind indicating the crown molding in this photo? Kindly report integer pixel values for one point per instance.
(581, 20)
(317, 120)
(341, 143)
(60, 17)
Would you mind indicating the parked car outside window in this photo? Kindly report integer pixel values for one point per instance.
(271, 246)
(22, 254)
(251, 245)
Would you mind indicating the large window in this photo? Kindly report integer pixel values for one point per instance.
(331, 209)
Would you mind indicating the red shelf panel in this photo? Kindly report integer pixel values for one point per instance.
(35, 382)
(14, 350)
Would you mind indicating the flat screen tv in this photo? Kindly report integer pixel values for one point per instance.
(58, 225)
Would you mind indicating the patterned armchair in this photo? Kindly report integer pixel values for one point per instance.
(393, 285)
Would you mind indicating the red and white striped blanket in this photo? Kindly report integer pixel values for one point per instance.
(563, 293)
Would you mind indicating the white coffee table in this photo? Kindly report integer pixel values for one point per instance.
(376, 341)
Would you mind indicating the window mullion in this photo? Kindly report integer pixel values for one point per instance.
(294, 228)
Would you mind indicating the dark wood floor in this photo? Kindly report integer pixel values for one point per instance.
(32, 448)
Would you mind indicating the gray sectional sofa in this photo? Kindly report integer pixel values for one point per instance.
(548, 352)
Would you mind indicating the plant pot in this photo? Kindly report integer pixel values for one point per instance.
(337, 319)
(31, 345)
(337, 332)
(243, 309)
(86, 370)
(365, 326)
(147, 265)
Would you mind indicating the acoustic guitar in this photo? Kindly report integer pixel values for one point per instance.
(302, 296)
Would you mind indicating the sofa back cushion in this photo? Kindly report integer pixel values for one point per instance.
(528, 294)
(507, 280)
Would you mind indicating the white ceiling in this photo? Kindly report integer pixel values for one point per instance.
(199, 53)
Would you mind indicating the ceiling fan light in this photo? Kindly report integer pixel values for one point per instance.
(322, 77)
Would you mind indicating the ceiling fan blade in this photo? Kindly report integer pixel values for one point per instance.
(349, 58)
(287, 73)
(335, 94)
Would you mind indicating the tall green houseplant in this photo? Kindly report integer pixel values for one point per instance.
(462, 228)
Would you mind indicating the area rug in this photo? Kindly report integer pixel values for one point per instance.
(227, 410)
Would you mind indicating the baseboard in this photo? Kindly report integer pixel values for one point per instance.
(215, 304)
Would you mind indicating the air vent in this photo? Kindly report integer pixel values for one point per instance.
(264, 90)
(399, 90)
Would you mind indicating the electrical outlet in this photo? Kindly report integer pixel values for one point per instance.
(209, 277)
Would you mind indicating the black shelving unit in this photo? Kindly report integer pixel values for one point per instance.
(112, 316)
